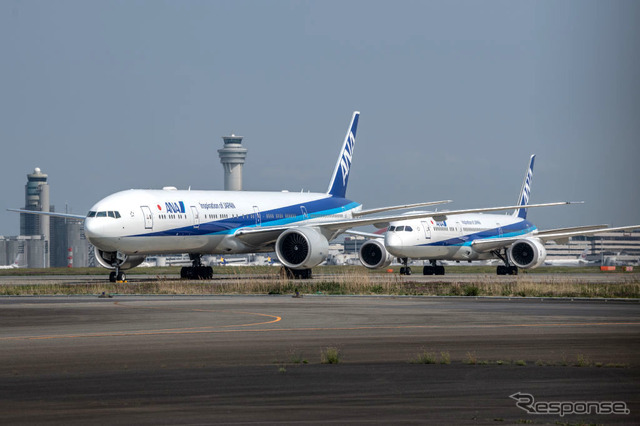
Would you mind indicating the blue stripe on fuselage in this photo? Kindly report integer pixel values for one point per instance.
(513, 230)
(290, 214)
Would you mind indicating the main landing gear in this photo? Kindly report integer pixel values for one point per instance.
(117, 275)
(197, 271)
(433, 269)
(297, 274)
(507, 268)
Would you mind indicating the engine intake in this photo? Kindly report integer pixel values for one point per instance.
(374, 255)
(302, 248)
(527, 253)
(109, 259)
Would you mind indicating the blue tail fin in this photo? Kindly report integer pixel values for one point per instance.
(340, 178)
(525, 192)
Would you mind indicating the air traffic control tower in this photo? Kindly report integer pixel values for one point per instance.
(37, 198)
(232, 158)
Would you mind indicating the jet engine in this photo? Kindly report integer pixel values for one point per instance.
(302, 248)
(374, 255)
(109, 259)
(527, 253)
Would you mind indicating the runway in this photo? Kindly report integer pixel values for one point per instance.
(257, 359)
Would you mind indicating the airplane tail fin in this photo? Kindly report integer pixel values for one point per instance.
(340, 178)
(525, 192)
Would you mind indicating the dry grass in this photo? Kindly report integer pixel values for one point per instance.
(352, 282)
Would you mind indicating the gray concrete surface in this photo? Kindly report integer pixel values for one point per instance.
(241, 359)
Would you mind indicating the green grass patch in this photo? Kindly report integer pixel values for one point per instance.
(330, 355)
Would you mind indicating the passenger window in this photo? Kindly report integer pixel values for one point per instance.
(101, 214)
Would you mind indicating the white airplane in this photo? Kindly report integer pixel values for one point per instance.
(15, 264)
(126, 226)
(467, 237)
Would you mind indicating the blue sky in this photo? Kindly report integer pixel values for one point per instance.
(454, 96)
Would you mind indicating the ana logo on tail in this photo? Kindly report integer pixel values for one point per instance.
(345, 161)
(338, 184)
(525, 192)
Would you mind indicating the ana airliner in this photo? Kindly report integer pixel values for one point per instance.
(127, 226)
(467, 237)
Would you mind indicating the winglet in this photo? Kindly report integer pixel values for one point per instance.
(525, 191)
(340, 178)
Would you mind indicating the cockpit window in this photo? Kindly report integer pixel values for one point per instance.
(408, 229)
(111, 213)
(391, 229)
(399, 228)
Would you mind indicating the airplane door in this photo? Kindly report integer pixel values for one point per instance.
(256, 211)
(196, 217)
(427, 230)
(304, 212)
(148, 217)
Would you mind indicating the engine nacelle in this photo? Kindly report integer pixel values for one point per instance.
(107, 259)
(302, 248)
(527, 253)
(374, 255)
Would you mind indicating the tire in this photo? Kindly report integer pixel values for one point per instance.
(112, 277)
(428, 270)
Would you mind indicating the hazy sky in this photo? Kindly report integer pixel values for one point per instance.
(454, 95)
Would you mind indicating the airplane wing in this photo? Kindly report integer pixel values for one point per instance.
(558, 235)
(365, 234)
(405, 206)
(55, 214)
(261, 236)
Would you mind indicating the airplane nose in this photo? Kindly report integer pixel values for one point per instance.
(392, 242)
(97, 232)
(90, 229)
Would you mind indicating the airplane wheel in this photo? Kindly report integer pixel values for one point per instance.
(501, 270)
(112, 277)
(513, 270)
(121, 276)
(439, 270)
(427, 270)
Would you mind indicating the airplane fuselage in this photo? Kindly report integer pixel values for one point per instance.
(451, 239)
(165, 221)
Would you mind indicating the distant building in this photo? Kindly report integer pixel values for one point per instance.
(613, 246)
(232, 157)
(45, 240)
